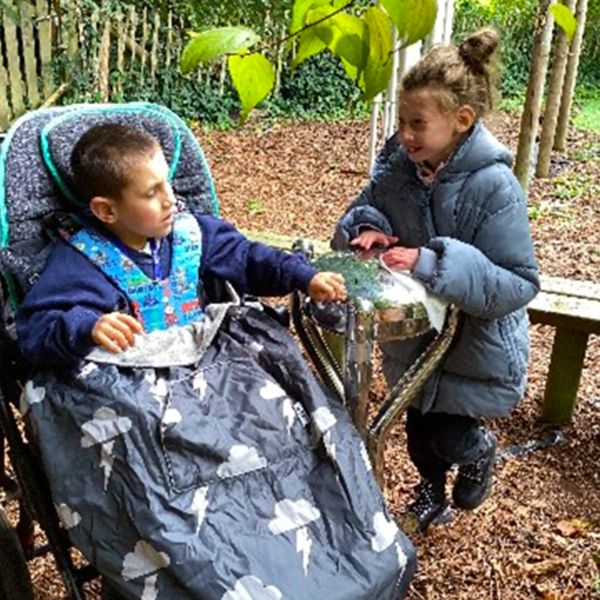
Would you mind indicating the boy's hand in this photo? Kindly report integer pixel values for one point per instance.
(367, 239)
(114, 331)
(400, 258)
(327, 287)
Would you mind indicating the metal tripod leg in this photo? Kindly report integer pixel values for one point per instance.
(352, 383)
(406, 389)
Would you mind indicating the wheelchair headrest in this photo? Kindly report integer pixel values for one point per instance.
(35, 174)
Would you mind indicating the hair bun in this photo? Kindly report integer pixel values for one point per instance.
(478, 49)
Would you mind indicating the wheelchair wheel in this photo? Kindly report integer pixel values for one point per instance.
(15, 581)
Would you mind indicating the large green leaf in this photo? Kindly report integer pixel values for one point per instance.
(309, 45)
(413, 18)
(564, 17)
(353, 73)
(253, 77)
(301, 7)
(378, 69)
(216, 42)
(345, 35)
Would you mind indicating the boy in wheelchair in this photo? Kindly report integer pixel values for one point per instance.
(93, 276)
(190, 451)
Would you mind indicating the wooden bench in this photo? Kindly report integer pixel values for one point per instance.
(573, 308)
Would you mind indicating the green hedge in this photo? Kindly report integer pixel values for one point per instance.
(319, 87)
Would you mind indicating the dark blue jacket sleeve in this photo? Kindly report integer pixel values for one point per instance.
(58, 314)
(250, 266)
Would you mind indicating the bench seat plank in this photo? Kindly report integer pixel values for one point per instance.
(560, 310)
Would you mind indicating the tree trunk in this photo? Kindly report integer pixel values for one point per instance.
(560, 138)
(559, 64)
(535, 88)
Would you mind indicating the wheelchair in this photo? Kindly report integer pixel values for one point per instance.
(329, 533)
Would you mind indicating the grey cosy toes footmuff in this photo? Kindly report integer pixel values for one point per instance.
(231, 475)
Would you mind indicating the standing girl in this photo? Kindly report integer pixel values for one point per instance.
(444, 202)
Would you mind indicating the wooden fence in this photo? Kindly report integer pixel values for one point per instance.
(44, 44)
(26, 47)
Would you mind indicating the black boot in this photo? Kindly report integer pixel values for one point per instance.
(474, 480)
(429, 504)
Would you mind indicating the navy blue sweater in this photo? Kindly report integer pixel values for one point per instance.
(58, 314)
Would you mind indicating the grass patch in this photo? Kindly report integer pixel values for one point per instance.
(588, 115)
(513, 105)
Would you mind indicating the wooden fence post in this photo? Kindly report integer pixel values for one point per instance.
(104, 60)
(17, 88)
(29, 60)
(45, 46)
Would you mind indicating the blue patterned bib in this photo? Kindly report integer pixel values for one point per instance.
(157, 304)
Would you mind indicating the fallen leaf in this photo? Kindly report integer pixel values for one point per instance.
(573, 527)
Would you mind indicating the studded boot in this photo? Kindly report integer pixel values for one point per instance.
(428, 505)
(474, 481)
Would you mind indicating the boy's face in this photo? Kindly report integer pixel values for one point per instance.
(427, 133)
(146, 207)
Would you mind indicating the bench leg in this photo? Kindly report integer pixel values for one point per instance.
(566, 364)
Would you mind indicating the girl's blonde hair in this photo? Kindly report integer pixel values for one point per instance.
(463, 74)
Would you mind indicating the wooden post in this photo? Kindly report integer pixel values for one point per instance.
(144, 43)
(535, 89)
(154, 49)
(17, 87)
(568, 353)
(104, 61)
(121, 33)
(5, 112)
(45, 46)
(29, 54)
(557, 78)
(133, 23)
(168, 49)
(93, 56)
(562, 126)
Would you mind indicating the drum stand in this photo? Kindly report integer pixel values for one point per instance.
(350, 378)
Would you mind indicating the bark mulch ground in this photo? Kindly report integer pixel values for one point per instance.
(538, 535)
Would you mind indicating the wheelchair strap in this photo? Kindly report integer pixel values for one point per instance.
(157, 303)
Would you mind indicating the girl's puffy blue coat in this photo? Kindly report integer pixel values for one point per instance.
(476, 251)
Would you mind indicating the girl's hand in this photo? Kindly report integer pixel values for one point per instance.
(401, 259)
(327, 287)
(367, 239)
(114, 331)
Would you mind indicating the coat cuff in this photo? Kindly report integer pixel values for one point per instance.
(426, 265)
(81, 334)
(304, 276)
(357, 220)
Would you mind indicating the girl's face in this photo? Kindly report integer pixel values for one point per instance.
(428, 133)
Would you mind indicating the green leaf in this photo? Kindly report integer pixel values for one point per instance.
(253, 77)
(564, 17)
(413, 18)
(378, 69)
(352, 71)
(216, 42)
(345, 35)
(309, 45)
(301, 7)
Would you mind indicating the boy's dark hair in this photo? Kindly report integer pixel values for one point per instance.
(103, 156)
